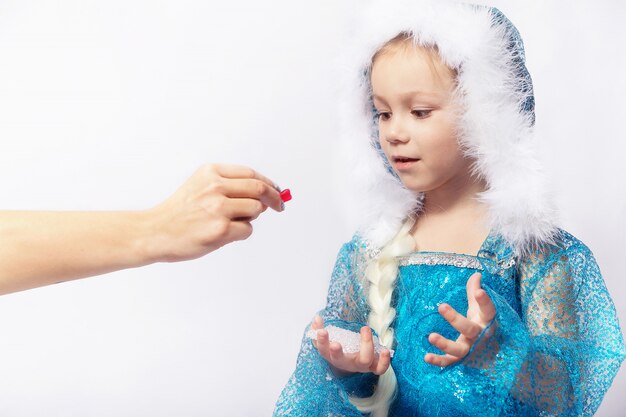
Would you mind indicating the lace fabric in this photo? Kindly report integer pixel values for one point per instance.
(553, 348)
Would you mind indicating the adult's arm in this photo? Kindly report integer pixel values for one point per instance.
(214, 207)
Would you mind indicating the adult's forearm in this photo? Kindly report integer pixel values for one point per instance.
(214, 207)
(44, 247)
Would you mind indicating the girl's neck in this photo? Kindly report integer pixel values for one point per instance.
(455, 195)
(452, 218)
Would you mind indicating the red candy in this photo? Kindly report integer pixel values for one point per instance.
(285, 195)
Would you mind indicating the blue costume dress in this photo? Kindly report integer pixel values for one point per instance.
(555, 344)
(553, 348)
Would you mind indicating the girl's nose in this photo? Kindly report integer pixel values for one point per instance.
(397, 133)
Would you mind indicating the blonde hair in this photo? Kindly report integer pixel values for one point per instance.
(381, 273)
(404, 42)
(380, 276)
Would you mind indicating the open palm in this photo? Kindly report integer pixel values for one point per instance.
(480, 312)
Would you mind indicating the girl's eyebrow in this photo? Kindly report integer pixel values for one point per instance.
(410, 94)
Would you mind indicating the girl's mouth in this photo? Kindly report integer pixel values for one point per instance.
(401, 163)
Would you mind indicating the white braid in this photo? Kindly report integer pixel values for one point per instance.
(381, 275)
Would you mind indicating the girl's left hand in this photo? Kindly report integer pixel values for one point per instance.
(480, 313)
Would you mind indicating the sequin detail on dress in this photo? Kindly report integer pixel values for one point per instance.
(439, 258)
(553, 348)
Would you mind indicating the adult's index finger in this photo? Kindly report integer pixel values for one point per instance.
(253, 188)
(241, 171)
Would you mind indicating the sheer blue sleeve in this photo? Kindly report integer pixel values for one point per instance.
(313, 389)
(560, 355)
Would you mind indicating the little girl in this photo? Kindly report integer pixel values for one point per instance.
(490, 309)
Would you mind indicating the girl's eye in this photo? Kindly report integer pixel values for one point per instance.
(421, 113)
(382, 116)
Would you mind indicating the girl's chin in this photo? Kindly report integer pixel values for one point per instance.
(415, 189)
(410, 184)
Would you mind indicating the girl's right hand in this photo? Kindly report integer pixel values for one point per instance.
(346, 363)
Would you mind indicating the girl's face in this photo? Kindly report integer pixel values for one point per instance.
(417, 118)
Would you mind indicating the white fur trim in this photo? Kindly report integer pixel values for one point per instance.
(492, 129)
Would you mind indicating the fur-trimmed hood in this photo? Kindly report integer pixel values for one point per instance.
(496, 128)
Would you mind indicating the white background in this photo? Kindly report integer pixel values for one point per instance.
(113, 104)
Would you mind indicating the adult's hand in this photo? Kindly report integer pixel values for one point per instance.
(215, 206)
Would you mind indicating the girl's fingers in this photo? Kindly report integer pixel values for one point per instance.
(337, 356)
(457, 348)
(331, 351)
(317, 323)
(462, 324)
(486, 308)
(440, 360)
(473, 284)
(323, 344)
(382, 364)
(469, 329)
(366, 353)
(363, 361)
